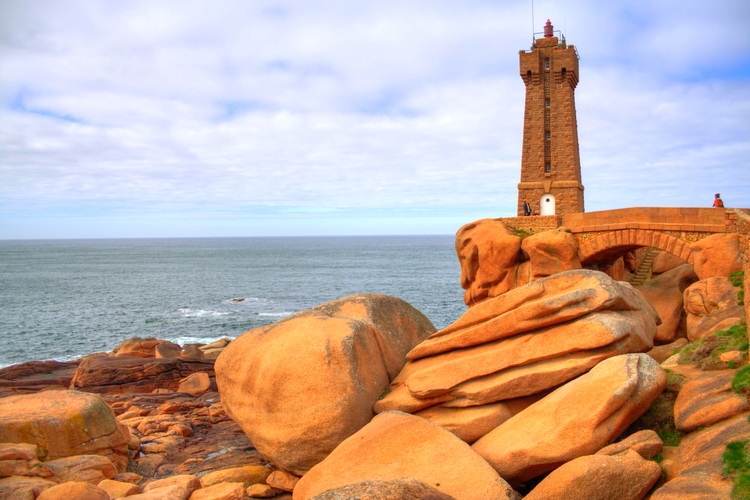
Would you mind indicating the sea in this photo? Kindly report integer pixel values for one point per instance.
(64, 299)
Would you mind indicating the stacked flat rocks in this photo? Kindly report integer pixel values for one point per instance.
(509, 351)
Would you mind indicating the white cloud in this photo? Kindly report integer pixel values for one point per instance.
(209, 112)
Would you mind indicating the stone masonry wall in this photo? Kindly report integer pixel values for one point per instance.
(550, 132)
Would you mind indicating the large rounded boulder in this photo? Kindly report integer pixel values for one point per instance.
(301, 386)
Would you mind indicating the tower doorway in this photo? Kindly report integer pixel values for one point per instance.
(547, 204)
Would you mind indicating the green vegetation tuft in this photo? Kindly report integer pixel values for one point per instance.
(736, 338)
(670, 437)
(735, 458)
(741, 488)
(741, 380)
(736, 462)
(660, 418)
(737, 279)
(674, 379)
(705, 352)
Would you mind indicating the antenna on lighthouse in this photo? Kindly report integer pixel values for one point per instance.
(532, 20)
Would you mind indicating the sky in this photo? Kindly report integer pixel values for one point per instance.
(287, 118)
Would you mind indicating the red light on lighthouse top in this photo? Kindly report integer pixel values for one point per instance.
(548, 29)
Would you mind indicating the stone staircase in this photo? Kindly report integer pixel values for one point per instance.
(643, 272)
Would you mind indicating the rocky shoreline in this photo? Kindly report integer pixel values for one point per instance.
(566, 385)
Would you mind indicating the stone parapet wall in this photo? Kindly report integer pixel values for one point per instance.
(709, 220)
(533, 224)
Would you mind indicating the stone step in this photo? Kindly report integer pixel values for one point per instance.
(643, 272)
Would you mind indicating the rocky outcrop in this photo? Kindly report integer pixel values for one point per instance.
(212, 350)
(196, 384)
(394, 489)
(472, 422)
(83, 468)
(665, 293)
(520, 344)
(247, 475)
(718, 255)
(711, 305)
(74, 490)
(700, 454)
(22, 459)
(488, 255)
(301, 386)
(547, 253)
(178, 434)
(23, 487)
(665, 261)
(663, 352)
(119, 489)
(533, 375)
(132, 374)
(34, 376)
(494, 260)
(599, 477)
(646, 443)
(396, 445)
(222, 491)
(189, 482)
(167, 350)
(282, 480)
(64, 424)
(173, 492)
(575, 420)
(138, 347)
(708, 399)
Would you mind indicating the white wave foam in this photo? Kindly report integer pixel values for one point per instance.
(201, 313)
(195, 340)
(283, 314)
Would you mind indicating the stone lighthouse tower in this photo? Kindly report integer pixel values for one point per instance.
(550, 163)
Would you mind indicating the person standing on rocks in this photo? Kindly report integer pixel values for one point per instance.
(718, 203)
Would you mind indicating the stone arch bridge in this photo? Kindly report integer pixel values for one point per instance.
(605, 236)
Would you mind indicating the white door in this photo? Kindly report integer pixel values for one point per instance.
(547, 205)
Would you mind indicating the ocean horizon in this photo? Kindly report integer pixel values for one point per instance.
(62, 299)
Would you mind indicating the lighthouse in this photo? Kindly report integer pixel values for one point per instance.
(550, 162)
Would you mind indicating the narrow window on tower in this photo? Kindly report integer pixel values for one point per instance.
(546, 103)
(548, 167)
(546, 63)
(547, 135)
